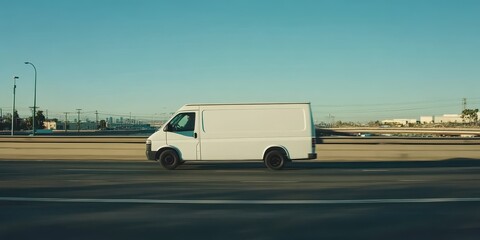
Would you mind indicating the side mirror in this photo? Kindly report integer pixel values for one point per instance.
(166, 128)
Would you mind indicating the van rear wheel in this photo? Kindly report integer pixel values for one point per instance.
(169, 159)
(275, 160)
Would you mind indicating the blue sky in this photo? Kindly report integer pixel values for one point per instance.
(356, 60)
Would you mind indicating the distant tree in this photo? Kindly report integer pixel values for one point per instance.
(39, 119)
(6, 123)
(28, 123)
(470, 116)
(3, 122)
(21, 123)
(102, 124)
(374, 123)
(18, 121)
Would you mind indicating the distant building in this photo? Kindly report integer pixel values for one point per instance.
(449, 118)
(426, 119)
(74, 126)
(50, 125)
(445, 118)
(400, 121)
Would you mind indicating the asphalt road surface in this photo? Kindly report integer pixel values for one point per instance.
(307, 200)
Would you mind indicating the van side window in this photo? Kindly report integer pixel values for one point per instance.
(182, 122)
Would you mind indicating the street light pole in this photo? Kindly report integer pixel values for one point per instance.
(66, 121)
(78, 121)
(13, 108)
(34, 98)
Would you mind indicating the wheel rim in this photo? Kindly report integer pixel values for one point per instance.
(169, 160)
(275, 161)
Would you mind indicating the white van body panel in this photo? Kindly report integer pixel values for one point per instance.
(241, 131)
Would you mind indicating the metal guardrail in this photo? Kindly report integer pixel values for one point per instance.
(404, 131)
(73, 139)
(400, 140)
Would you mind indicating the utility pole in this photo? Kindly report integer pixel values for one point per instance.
(96, 118)
(78, 119)
(66, 121)
(13, 108)
(33, 119)
(332, 119)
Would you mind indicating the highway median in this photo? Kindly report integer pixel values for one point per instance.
(328, 148)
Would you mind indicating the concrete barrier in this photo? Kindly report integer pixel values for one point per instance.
(330, 149)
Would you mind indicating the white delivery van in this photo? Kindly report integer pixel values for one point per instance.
(271, 132)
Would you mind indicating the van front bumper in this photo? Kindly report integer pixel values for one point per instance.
(151, 155)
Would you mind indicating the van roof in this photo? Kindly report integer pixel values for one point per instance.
(270, 103)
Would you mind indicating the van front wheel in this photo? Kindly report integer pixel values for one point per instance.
(169, 159)
(275, 160)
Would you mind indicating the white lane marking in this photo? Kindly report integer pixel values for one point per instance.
(375, 170)
(270, 181)
(241, 202)
(105, 170)
(412, 180)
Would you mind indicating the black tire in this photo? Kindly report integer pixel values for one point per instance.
(275, 160)
(169, 159)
